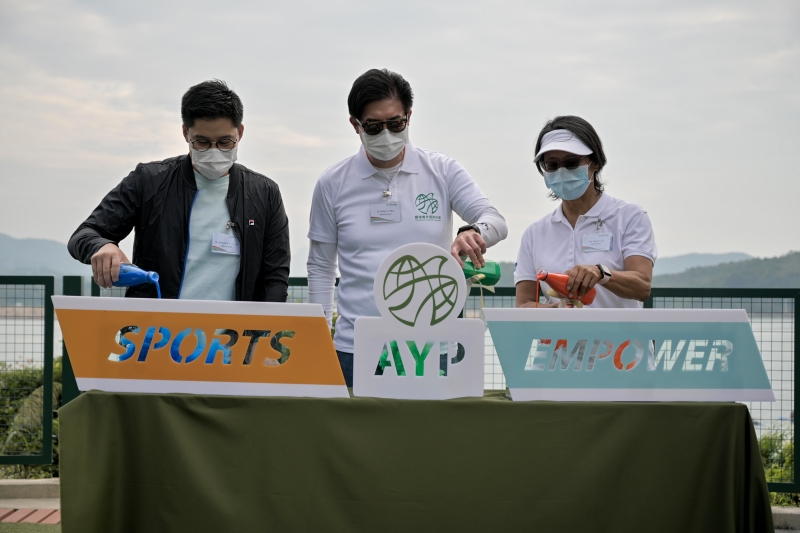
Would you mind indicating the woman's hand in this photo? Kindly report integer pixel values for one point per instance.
(581, 280)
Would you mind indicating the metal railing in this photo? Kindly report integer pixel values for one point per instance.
(26, 370)
(772, 313)
(773, 316)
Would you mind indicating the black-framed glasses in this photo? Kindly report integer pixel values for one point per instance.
(374, 127)
(224, 145)
(570, 163)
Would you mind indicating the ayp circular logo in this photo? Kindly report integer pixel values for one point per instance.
(420, 285)
(426, 203)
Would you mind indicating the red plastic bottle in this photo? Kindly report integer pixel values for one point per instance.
(558, 282)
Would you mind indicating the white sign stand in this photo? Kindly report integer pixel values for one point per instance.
(419, 348)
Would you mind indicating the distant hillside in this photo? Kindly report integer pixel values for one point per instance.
(682, 263)
(38, 257)
(775, 272)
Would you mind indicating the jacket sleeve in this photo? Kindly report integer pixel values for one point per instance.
(110, 222)
(274, 272)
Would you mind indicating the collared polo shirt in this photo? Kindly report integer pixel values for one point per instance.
(552, 244)
(429, 187)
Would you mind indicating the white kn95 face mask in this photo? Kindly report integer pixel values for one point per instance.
(385, 145)
(213, 163)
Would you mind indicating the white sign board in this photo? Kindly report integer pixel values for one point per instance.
(419, 348)
(698, 355)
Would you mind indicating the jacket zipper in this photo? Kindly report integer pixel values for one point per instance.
(188, 242)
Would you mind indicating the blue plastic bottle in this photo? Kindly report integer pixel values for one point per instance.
(131, 275)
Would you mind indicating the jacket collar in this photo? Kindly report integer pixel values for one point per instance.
(233, 182)
(409, 165)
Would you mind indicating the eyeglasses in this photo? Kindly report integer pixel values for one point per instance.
(224, 145)
(570, 163)
(374, 127)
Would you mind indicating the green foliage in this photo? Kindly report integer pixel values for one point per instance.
(21, 403)
(777, 455)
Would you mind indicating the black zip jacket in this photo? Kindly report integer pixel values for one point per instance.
(156, 200)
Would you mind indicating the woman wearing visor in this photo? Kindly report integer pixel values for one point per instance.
(598, 240)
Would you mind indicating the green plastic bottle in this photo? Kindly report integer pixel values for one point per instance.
(490, 273)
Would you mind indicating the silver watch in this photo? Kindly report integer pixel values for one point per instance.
(605, 274)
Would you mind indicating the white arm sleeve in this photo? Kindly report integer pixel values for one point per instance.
(471, 205)
(322, 276)
(492, 224)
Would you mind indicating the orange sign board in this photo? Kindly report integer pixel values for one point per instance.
(207, 347)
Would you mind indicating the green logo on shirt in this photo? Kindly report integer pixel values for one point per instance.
(427, 204)
(420, 290)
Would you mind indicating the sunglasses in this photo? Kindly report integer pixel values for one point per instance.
(374, 127)
(570, 163)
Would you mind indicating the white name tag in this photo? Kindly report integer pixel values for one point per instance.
(598, 242)
(379, 213)
(222, 243)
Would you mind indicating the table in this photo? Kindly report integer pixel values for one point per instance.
(138, 462)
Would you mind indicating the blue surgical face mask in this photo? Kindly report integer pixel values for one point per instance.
(568, 184)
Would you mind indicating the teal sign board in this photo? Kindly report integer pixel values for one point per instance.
(629, 354)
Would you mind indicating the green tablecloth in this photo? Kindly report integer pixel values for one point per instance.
(180, 463)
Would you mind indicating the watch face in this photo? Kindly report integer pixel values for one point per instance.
(606, 271)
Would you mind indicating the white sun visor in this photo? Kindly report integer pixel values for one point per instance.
(563, 140)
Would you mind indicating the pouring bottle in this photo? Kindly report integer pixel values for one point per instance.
(131, 276)
(558, 282)
(488, 275)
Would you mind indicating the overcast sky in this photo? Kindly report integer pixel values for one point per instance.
(697, 104)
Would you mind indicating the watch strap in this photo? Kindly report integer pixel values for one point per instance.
(604, 277)
(469, 227)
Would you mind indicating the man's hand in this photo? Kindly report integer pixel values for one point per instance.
(581, 279)
(471, 244)
(105, 264)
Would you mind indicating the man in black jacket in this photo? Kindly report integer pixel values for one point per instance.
(211, 228)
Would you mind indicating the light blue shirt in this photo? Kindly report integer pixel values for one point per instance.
(209, 275)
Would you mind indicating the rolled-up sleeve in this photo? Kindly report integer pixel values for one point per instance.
(322, 220)
(525, 268)
(639, 238)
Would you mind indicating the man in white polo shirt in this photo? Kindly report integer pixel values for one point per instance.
(388, 194)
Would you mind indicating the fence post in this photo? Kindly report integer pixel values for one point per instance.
(796, 406)
(73, 286)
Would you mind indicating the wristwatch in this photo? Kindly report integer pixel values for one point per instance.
(605, 274)
(468, 227)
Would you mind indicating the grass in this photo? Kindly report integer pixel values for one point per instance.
(29, 528)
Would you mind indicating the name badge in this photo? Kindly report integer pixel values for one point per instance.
(380, 213)
(222, 243)
(598, 242)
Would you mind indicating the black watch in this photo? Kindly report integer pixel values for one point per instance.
(469, 226)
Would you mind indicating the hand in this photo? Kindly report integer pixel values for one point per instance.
(471, 244)
(581, 279)
(105, 264)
